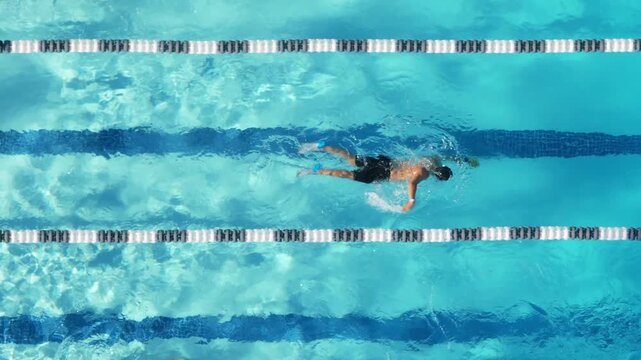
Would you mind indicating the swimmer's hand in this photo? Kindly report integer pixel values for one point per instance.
(407, 207)
(472, 161)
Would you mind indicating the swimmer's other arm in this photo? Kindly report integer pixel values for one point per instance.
(411, 191)
(470, 160)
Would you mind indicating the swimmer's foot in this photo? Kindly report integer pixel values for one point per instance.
(316, 168)
(309, 147)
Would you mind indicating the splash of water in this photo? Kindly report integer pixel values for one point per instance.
(378, 202)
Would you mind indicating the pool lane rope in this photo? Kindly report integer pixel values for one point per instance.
(321, 235)
(320, 45)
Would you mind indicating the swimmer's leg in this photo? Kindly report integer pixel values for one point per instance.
(320, 146)
(345, 174)
(316, 170)
(342, 153)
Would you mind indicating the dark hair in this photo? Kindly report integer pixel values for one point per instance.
(442, 173)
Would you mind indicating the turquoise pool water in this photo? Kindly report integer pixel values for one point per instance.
(98, 141)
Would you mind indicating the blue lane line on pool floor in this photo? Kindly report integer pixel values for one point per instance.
(416, 326)
(597, 322)
(285, 141)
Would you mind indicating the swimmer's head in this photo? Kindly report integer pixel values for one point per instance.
(442, 173)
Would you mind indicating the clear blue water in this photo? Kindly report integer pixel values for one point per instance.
(148, 142)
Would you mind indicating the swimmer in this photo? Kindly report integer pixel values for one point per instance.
(383, 168)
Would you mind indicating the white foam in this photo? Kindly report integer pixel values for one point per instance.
(305, 172)
(308, 147)
(378, 202)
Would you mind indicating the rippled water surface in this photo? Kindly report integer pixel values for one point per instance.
(137, 141)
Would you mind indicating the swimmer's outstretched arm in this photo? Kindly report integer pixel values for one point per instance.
(411, 192)
(470, 160)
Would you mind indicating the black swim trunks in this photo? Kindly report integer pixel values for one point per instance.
(372, 169)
